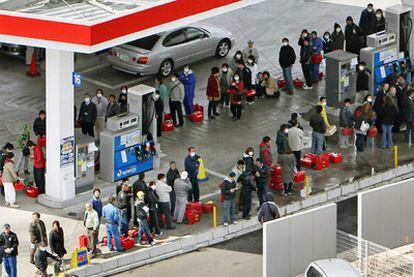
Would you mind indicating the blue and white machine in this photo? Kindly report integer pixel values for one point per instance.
(127, 147)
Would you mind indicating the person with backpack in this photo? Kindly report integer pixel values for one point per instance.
(268, 209)
(236, 97)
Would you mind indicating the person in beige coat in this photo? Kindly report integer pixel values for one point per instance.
(9, 176)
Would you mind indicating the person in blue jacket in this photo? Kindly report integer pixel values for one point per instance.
(111, 216)
(188, 79)
(191, 165)
(317, 46)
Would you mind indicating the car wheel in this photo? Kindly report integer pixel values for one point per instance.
(223, 48)
(166, 68)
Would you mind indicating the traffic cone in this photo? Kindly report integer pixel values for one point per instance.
(33, 67)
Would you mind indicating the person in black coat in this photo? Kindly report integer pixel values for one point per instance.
(123, 100)
(151, 199)
(409, 133)
(379, 100)
(41, 257)
(262, 175)
(367, 21)
(379, 21)
(245, 74)
(248, 186)
(159, 112)
(362, 83)
(172, 174)
(39, 125)
(57, 243)
(338, 37)
(328, 44)
(306, 52)
(287, 58)
(87, 116)
(389, 115)
(354, 36)
(303, 35)
(112, 109)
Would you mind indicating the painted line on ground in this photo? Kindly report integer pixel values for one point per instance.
(215, 173)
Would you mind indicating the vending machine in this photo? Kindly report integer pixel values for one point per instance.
(85, 149)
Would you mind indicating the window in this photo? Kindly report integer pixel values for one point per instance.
(194, 34)
(313, 272)
(146, 43)
(175, 38)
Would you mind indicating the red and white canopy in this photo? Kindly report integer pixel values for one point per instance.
(92, 25)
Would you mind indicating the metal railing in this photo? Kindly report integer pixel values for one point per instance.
(373, 260)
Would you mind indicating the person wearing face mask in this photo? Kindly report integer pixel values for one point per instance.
(237, 57)
(282, 139)
(87, 116)
(191, 165)
(246, 77)
(379, 100)
(346, 120)
(112, 109)
(303, 36)
(380, 21)
(225, 81)
(250, 50)
(163, 190)
(317, 47)
(248, 158)
(367, 21)
(252, 66)
(328, 44)
(188, 79)
(367, 109)
(305, 60)
(287, 58)
(163, 90)
(337, 38)
(123, 97)
(354, 36)
(362, 83)
(288, 164)
(159, 111)
(213, 92)
(236, 97)
(151, 200)
(176, 100)
(101, 103)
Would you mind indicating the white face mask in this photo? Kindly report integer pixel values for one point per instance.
(87, 100)
(379, 16)
(324, 103)
(285, 43)
(224, 69)
(236, 78)
(361, 68)
(304, 35)
(326, 36)
(250, 61)
(192, 154)
(123, 91)
(287, 131)
(369, 100)
(173, 79)
(99, 95)
(153, 187)
(250, 153)
(186, 70)
(338, 30)
(369, 10)
(238, 56)
(156, 97)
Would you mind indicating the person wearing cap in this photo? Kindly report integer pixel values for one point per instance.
(229, 189)
(91, 223)
(163, 190)
(124, 204)
(182, 188)
(112, 220)
(250, 50)
(10, 243)
(268, 210)
(287, 58)
(101, 103)
(262, 174)
(368, 19)
(142, 216)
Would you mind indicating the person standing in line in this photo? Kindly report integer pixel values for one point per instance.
(163, 190)
(379, 100)
(229, 189)
(282, 139)
(346, 121)
(294, 117)
(182, 188)
(213, 92)
(338, 37)
(7, 148)
(112, 109)
(328, 44)
(172, 174)
(379, 21)
(124, 206)
(265, 151)
(248, 186)
(262, 174)
(37, 231)
(152, 201)
(318, 131)
(236, 97)
(91, 222)
(226, 77)
(295, 139)
(248, 158)
(250, 50)
(361, 127)
(237, 56)
(96, 202)
(101, 103)
(188, 79)
(176, 100)
(10, 244)
(317, 47)
(268, 210)
(306, 62)
(159, 112)
(246, 77)
(354, 36)
(238, 170)
(112, 220)
(251, 66)
(87, 116)
(323, 102)
(57, 243)
(191, 166)
(9, 176)
(42, 257)
(362, 83)
(367, 21)
(389, 117)
(162, 89)
(409, 133)
(139, 185)
(39, 125)
(123, 100)
(39, 166)
(288, 164)
(304, 35)
(142, 215)
(287, 58)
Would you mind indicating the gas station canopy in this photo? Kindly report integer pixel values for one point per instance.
(88, 26)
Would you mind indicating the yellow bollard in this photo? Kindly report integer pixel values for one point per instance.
(307, 186)
(396, 156)
(214, 216)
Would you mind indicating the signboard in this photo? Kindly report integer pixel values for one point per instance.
(77, 79)
(79, 258)
(67, 155)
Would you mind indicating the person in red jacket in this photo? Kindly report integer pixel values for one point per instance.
(236, 97)
(265, 153)
(39, 165)
(213, 92)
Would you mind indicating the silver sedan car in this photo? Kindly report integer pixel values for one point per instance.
(161, 53)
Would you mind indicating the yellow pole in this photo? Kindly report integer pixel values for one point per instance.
(396, 156)
(214, 216)
(307, 186)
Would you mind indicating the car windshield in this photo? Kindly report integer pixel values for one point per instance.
(146, 43)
